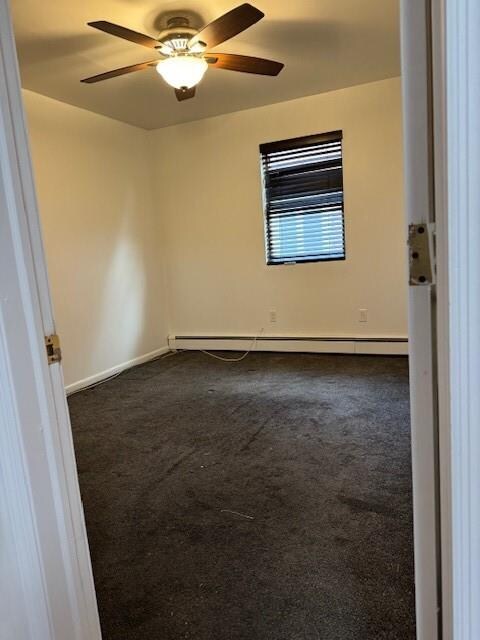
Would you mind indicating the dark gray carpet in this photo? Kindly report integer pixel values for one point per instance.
(315, 449)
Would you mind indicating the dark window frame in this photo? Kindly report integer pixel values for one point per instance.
(288, 145)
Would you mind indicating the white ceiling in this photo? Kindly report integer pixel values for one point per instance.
(325, 45)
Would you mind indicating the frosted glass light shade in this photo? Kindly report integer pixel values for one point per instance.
(182, 71)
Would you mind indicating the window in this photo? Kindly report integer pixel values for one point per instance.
(303, 197)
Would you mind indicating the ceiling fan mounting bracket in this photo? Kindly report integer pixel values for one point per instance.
(177, 21)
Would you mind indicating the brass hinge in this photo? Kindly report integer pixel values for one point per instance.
(421, 254)
(52, 345)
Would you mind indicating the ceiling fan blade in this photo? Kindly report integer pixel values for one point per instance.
(228, 25)
(126, 34)
(246, 64)
(185, 94)
(119, 72)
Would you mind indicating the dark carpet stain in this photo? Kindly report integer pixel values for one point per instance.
(268, 499)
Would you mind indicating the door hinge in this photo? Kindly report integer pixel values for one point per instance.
(52, 345)
(421, 254)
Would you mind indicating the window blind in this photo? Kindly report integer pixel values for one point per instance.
(303, 195)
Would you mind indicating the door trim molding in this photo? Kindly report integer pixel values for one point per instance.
(463, 140)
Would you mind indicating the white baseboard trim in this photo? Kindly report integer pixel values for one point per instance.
(103, 375)
(296, 344)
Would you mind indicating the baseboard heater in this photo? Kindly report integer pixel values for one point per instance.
(299, 344)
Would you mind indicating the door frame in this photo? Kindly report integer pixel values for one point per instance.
(39, 493)
(420, 208)
(455, 98)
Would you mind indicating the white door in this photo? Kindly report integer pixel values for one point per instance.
(46, 582)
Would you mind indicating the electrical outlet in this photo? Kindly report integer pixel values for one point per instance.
(273, 316)
(363, 315)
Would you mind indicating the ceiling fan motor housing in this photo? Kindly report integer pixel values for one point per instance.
(177, 34)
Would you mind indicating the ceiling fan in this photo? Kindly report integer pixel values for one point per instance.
(183, 49)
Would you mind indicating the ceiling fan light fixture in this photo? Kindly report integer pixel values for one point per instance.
(184, 71)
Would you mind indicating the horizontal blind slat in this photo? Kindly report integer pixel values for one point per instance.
(309, 215)
(305, 258)
(301, 241)
(318, 230)
(299, 228)
(305, 205)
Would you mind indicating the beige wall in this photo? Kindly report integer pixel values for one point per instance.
(101, 236)
(139, 223)
(208, 193)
